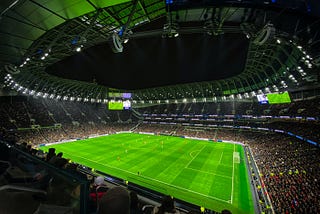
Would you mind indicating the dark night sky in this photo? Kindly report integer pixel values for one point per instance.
(150, 62)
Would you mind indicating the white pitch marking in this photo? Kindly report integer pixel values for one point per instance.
(210, 173)
(181, 188)
(220, 158)
(234, 147)
(195, 156)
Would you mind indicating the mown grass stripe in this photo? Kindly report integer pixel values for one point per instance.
(206, 181)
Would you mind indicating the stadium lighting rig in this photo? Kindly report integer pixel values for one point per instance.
(10, 82)
(292, 76)
(266, 33)
(213, 28)
(116, 43)
(170, 30)
(79, 48)
(118, 38)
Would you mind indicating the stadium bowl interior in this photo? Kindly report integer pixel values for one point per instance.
(214, 103)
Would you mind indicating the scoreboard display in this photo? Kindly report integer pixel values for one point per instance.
(279, 98)
(125, 95)
(119, 105)
(115, 105)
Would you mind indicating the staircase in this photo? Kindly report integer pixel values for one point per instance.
(137, 114)
(136, 126)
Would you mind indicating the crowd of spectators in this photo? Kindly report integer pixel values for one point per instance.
(29, 176)
(68, 132)
(303, 108)
(288, 167)
(290, 171)
(307, 130)
(63, 193)
(23, 112)
(27, 112)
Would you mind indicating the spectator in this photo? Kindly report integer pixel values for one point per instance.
(56, 158)
(98, 189)
(115, 201)
(135, 207)
(167, 206)
(51, 153)
(99, 181)
(226, 212)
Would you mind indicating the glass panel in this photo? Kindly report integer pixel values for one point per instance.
(28, 184)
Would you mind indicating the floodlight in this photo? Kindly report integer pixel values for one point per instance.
(264, 34)
(170, 30)
(116, 43)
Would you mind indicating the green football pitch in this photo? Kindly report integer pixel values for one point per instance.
(209, 174)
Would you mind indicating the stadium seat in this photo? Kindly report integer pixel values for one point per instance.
(53, 209)
(96, 195)
(147, 209)
(4, 166)
(100, 191)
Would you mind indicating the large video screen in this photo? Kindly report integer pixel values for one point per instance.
(279, 98)
(126, 95)
(115, 105)
(119, 105)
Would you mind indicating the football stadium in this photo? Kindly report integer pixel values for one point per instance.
(159, 106)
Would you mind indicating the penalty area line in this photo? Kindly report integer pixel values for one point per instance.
(209, 173)
(194, 156)
(234, 147)
(220, 158)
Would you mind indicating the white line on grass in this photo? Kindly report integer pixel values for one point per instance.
(234, 146)
(177, 187)
(220, 158)
(210, 173)
(195, 156)
(192, 153)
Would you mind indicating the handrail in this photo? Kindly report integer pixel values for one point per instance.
(7, 162)
(22, 188)
(75, 178)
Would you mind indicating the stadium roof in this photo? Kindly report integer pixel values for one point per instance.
(277, 43)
